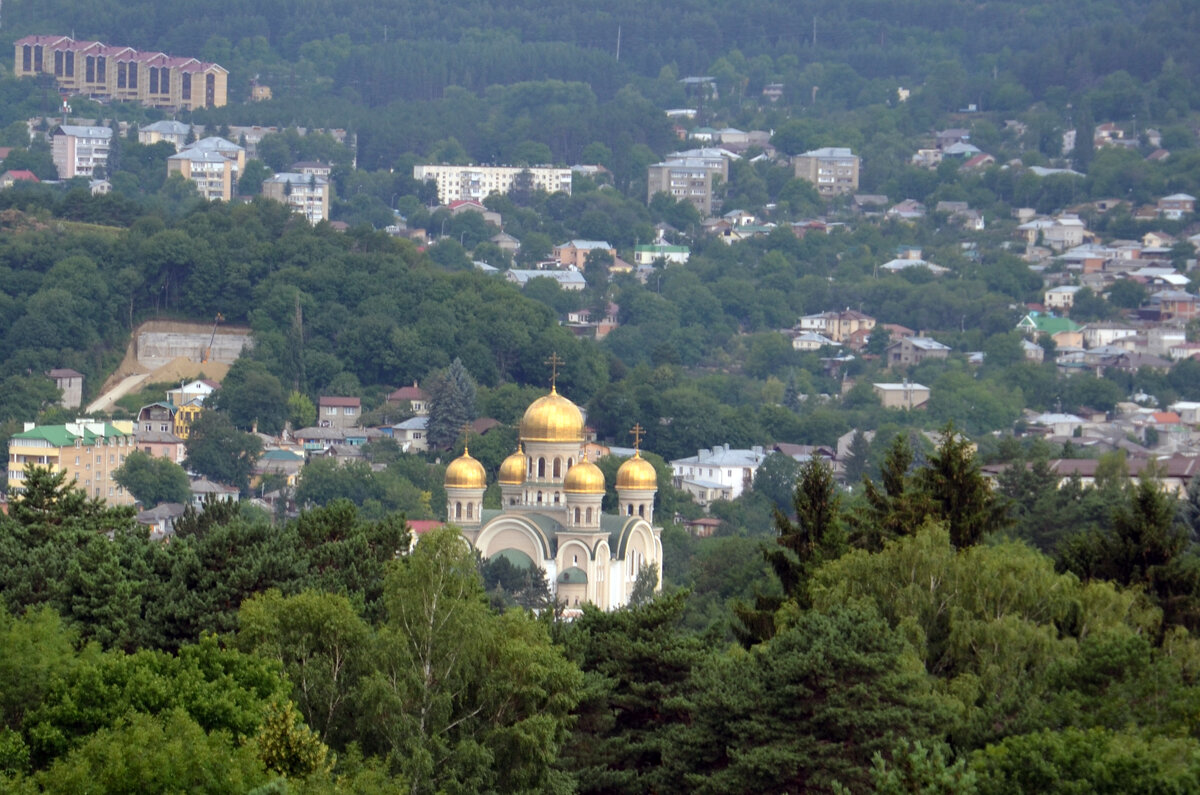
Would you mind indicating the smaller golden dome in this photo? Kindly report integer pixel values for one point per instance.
(465, 472)
(512, 471)
(584, 478)
(637, 473)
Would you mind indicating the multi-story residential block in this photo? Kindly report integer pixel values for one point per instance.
(837, 326)
(691, 176)
(212, 173)
(169, 130)
(98, 70)
(227, 149)
(77, 151)
(88, 452)
(721, 469)
(833, 169)
(479, 182)
(306, 194)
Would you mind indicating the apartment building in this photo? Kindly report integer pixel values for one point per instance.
(305, 194)
(691, 175)
(479, 182)
(89, 452)
(212, 174)
(77, 151)
(833, 169)
(98, 70)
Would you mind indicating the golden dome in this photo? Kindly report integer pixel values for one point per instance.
(512, 471)
(465, 472)
(637, 473)
(584, 478)
(552, 418)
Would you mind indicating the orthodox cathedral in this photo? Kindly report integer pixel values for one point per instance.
(551, 514)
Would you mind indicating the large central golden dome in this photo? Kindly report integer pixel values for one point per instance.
(552, 418)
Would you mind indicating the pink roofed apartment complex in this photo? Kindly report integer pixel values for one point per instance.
(99, 70)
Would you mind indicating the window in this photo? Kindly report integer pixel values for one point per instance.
(153, 80)
(577, 515)
(58, 63)
(148, 450)
(330, 410)
(101, 69)
(187, 86)
(589, 515)
(642, 510)
(37, 58)
(133, 75)
(90, 69)
(541, 469)
(70, 61)
(27, 58)
(558, 467)
(470, 510)
(120, 74)
(458, 510)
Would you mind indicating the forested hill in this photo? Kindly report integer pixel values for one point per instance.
(381, 50)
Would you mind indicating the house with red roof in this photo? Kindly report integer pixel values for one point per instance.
(10, 178)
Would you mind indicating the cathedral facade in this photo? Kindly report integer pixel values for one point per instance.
(551, 516)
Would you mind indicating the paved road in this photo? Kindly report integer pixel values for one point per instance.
(123, 388)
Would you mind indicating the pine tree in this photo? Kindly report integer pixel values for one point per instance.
(958, 493)
(451, 405)
(801, 547)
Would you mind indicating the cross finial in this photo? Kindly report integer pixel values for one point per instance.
(555, 361)
(466, 433)
(638, 432)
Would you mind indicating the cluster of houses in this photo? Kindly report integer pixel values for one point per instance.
(211, 163)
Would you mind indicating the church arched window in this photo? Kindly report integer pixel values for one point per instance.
(470, 511)
(641, 510)
(557, 467)
(541, 468)
(629, 510)
(589, 515)
(577, 515)
(458, 510)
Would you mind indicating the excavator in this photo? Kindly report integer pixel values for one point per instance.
(207, 353)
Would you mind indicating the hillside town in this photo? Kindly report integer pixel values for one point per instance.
(517, 397)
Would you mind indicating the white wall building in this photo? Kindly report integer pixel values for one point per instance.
(723, 467)
(479, 182)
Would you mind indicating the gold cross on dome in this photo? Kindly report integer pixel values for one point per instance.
(638, 432)
(555, 361)
(466, 434)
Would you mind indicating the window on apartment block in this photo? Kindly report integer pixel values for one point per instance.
(153, 80)
(186, 87)
(58, 63)
(70, 61)
(26, 58)
(89, 69)
(121, 66)
(37, 58)
(101, 69)
(133, 75)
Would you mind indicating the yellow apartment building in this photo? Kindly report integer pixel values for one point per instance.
(89, 452)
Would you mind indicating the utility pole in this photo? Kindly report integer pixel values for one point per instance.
(618, 41)
(814, 31)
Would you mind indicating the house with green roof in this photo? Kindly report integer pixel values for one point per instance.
(1062, 330)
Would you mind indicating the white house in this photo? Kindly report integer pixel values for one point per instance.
(725, 469)
(412, 434)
